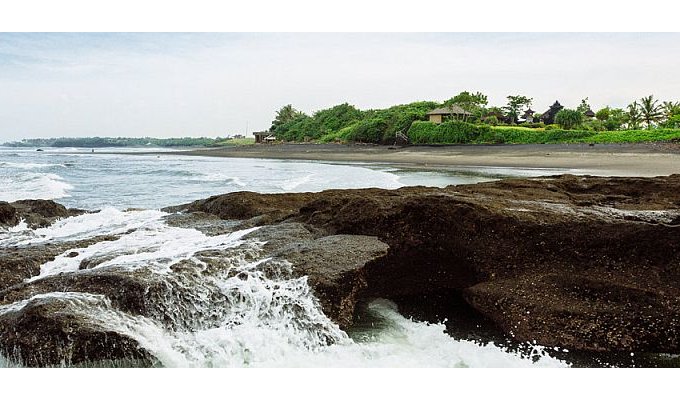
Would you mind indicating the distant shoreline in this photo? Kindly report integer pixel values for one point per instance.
(638, 159)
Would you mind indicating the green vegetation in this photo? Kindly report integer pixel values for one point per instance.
(348, 124)
(456, 132)
(568, 119)
(643, 120)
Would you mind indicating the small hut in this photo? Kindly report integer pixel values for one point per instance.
(589, 114)
(261, 136)
(439, 114)
(548, 117)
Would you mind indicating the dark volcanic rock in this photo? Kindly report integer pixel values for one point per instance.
(334, 264)
(582, 262)
(47, 332)
(36, 213)
(22, 262)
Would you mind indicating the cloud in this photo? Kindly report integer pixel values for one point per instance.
(213, 84)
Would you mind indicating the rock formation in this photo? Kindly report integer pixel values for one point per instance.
(584, 263)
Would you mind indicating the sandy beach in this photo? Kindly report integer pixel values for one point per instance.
(653, 159)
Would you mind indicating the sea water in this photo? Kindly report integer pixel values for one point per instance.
(255, 312)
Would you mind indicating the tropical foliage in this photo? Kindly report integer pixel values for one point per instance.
(569, 119)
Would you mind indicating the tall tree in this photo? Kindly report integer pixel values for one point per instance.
(633, 115)
(515, 104)
(473, 103)
(670, 109)
(286, 114)
(651, 112)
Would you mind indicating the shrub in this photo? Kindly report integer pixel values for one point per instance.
(368, 131)
(568, 119)
(451, 132)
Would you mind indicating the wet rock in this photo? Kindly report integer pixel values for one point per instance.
(48, 332)
(18, 263)
(8, 214)
(335, 265)
(492, 241)
(36, 213)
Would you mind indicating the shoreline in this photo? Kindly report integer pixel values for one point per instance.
(644, 160)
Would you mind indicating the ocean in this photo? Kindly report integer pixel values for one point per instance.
(273, 320)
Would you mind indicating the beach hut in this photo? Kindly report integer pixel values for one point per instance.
(439, 114)
(261, 136)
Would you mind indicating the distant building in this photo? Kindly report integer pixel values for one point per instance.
(439, 114)
(589, 113)
(548, 117)
(528, 115)
(238, 137)
(261, 136)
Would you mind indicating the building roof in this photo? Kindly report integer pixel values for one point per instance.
(454, 109)
(528, 113)
(589, 113)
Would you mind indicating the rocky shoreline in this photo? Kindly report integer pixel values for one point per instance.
(580, 263)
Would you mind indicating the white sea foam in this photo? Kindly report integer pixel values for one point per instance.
(32, 185)
(154, 246)
(108, 221)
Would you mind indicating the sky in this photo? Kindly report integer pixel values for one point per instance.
(169, 85)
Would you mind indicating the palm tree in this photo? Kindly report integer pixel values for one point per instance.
(633, 115)
(670, 108)
(286, 114)
(651, 112)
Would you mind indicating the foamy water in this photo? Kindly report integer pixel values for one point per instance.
(236, 308)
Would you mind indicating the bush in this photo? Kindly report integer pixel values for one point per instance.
(369, 131)
(451, 132)
(568, 119)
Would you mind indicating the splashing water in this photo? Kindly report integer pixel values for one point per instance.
(218, 301)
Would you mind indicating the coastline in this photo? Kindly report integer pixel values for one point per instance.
(640, 159)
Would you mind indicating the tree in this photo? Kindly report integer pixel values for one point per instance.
(568, 119)
(603, 114)
(286, 114)
(616, 119)
(584, 106)
(650, 110)
(670, 109)
(515, 104)
(473, 103)
(633, 115)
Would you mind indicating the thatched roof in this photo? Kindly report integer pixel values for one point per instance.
(589, 113)
(454, 109)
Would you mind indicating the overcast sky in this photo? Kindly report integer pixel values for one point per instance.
(166, 85)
